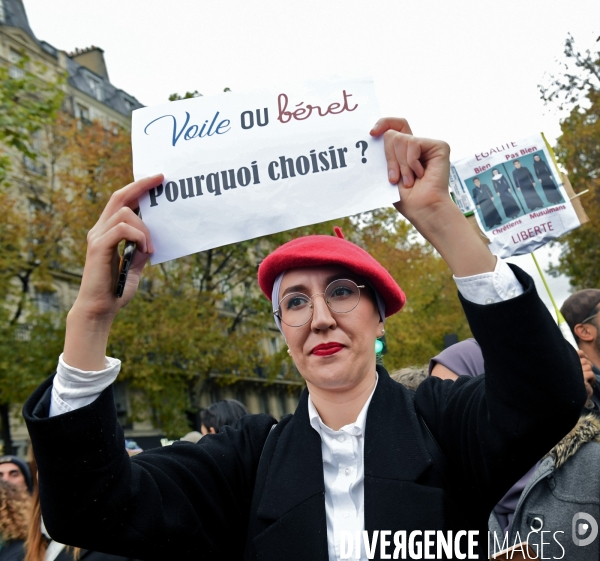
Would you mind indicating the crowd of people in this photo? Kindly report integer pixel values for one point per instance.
(492, 436)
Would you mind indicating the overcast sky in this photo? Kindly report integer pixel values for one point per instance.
(464, 71)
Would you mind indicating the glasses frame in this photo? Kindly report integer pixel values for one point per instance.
(590, 317)
(277, 313)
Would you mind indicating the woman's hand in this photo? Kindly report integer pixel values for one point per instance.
(589, 379)
(421, 167)
(92, 314)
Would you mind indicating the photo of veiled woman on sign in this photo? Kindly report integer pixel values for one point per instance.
(502, 187)
(526, 184)
(544, 175)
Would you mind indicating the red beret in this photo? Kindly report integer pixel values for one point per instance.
(315, 251)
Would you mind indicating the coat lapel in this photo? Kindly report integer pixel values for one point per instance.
(395, 462)
(296, 468)
(293, 498)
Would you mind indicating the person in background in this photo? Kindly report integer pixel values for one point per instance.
(566, 481)
(410, 377)
(461, 359)
(16, 471)
(581, 312)
(15, 505)
(225, 412)
(193, 437)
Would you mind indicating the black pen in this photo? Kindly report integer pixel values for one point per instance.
(125, 263)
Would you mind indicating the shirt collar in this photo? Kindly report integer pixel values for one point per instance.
(357, 428)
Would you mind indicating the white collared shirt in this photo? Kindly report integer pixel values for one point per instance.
(344, 474)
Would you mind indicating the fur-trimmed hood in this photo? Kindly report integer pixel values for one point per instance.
(586, 430)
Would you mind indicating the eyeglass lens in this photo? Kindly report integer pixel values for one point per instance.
(296, 308)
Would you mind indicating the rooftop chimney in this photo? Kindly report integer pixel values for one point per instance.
(92, 58)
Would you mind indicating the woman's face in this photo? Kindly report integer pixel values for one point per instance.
(344, 365)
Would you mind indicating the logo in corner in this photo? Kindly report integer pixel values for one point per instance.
(582, 522)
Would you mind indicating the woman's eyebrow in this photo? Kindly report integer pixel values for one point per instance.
(339, 276)
(295, 288)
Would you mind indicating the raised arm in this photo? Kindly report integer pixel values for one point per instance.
(92, 314)
(175, 502)
(493, 429)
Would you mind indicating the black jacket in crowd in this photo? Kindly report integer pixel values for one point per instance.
(219, 500)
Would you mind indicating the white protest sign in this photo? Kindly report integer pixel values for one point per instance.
(239, 166)
(517, 195)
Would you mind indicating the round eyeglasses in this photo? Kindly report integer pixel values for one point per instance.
(341, 296)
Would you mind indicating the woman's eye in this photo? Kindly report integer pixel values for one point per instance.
(296, 302)
(341, 292)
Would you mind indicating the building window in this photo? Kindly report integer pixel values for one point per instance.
(47, 302)
(282, 404)
(82, 113)
(120, 395)
(264, 402)
(95, 85)
(14, 57)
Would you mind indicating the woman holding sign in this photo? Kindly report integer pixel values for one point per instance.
(361, 453)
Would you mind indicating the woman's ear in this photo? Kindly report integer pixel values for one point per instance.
(585, 331)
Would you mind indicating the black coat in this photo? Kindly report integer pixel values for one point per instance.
(85, 555)
(212, 500)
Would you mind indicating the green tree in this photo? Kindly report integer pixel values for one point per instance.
(577, 90)
(432, 308)
(28, 105)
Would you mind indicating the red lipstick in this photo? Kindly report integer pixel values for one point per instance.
(326, 349)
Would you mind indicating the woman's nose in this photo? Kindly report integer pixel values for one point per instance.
(322, 317)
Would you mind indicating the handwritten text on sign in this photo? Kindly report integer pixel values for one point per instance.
(283, 159)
